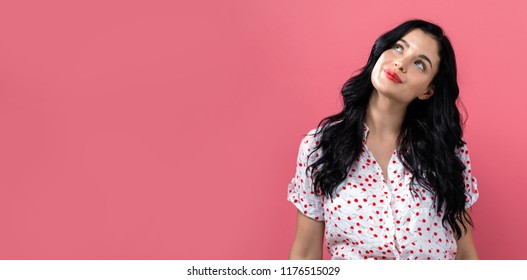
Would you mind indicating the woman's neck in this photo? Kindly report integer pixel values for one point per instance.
(384, 117)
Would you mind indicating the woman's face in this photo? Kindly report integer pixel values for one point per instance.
(405, 71)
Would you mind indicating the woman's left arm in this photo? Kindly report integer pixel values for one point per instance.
(466, 250)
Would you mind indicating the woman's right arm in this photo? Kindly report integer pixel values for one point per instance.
(308, 240)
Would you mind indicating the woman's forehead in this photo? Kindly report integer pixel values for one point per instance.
(422, 43)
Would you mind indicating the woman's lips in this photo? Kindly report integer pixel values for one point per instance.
(392, 76)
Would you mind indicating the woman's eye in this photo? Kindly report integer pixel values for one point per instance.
(420, 64)
(398, 47)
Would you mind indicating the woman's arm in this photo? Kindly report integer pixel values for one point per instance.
(308, 240)
(466, 250)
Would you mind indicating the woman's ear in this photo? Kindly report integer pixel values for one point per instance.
(427, 94)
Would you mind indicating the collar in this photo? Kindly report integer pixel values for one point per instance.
(366, 129)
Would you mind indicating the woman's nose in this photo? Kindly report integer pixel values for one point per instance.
(400, 65)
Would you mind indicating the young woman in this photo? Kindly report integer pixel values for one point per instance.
(389, 177)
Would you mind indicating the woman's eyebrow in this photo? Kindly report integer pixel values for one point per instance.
(406, 43)
(427, 59)
(421, 55)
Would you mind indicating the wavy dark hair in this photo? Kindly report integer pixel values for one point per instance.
(430, 132)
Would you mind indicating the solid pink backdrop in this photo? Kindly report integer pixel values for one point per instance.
(169, 130)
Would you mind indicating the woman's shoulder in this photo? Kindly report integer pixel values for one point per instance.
(462, 149)
(312, 138)
(310, 142)
(316, 133)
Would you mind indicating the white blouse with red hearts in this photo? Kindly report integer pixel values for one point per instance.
(370, 218)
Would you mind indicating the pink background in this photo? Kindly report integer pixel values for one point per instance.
(169, 130)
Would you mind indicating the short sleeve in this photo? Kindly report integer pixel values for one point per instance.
(471, 183)
(300, 190)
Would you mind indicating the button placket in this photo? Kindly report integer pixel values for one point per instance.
(387, 193)
(391, 198)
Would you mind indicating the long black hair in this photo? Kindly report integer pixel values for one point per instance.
(430, 132)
